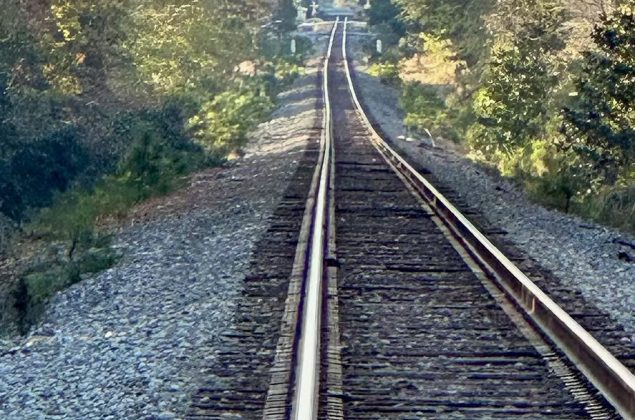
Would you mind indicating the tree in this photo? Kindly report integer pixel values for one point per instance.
(83, 75)
(512, 105)
(459, 20)
(600, 125)
(287, 13)
(386, 12)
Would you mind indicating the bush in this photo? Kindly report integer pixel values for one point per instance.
(387, 72)
(41, 282)
(37, 171)
(7, 231)
(284, 73)
(600, 123)
(159, 155)
(426, 110)
(11, 203)
(279, 47)
(223, 122)
(614, 206)
(554, 189)
(70, 219)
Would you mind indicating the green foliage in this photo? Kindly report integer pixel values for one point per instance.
(612, 205)
(384, 18)
(387, 72)
(83, 42)
(426, 110)
(511, 106)
(459, 20)
(564, 189)
(287, 14)
(222, 123)
(159, 155)
(105, 104)
(186, 47)
(34, 172)
(447, 46)
(554, 179)
(304, 48)
(82, 85)
(385, 13)
(70, 219)
(429, 94)
(513, 103)
(532, 94)
(38, 284)
(600, 124)
(277, 49)
(280, 74)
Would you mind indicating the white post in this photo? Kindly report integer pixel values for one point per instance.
(293, 46)
(379, 46)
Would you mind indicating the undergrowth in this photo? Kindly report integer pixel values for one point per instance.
(186, 134)
(41, 281)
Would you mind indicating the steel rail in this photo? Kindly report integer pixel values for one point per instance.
(606, 373)
(305, 397)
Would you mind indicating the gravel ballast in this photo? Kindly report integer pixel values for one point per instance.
(131, 342)
(583, 255)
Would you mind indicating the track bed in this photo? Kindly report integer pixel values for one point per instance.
(421, 335)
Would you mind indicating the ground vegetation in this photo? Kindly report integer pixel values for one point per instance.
(540, 90)
(105, 104)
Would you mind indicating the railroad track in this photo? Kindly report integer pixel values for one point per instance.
(426, 308)
(397, 307)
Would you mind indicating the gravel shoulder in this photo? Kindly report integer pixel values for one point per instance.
(131, 341)
(583, 255)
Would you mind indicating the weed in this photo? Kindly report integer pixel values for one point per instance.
(42, 281)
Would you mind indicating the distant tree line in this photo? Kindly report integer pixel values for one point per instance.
(543, 90)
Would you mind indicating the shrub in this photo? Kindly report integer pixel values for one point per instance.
(614, 206)
(557, 188)
(278, 47)
(70, 219)
(159, 155)
(38, 284)
(223, 122)
(387, 72)
(37, 171)
(426, 110)
(11, 203)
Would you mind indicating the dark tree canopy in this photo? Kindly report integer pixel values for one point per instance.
(600, 125)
